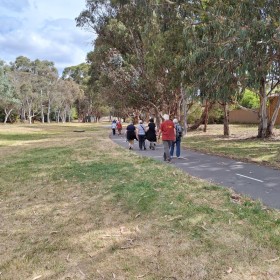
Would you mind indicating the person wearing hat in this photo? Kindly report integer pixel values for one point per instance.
(167, 130)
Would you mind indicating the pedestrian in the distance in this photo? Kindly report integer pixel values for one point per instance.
(141, 135)
(167, 130)
(151, 134)
(119, 127)
(177, 142)
(113, 126)
(130, 135)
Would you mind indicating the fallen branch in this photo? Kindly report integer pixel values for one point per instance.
(100, 274)
(273, 260)
(81, 272)
(175, 218)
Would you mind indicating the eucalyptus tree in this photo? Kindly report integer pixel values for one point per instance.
(164, 50)
(45, 77)
(22, 64)
(135, 68)
(210, 59)
(80, 75)
(34, 82)
(29, 99)
(112, 73)
(77, 73)
(260, 52)
(230, 46)
(66, 93)
(219, 48)
(8, 97)
(248, 47)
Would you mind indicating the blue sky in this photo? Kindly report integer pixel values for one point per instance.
(45, 30)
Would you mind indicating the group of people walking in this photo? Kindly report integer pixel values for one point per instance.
(116, 125)
(172, 133)
(169, 131)
(141, 134)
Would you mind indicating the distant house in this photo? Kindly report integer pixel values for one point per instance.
(243, 116)
(271, 107)
(251, 117)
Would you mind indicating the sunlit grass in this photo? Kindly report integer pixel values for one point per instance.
(77, 206)
(240, 145)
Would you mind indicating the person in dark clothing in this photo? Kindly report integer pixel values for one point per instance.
(130, 135)
(151, 134)
(114, 125)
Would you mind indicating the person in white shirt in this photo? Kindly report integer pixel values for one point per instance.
(141, 135)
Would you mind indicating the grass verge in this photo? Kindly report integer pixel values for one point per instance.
(241, 144)
(76, 206)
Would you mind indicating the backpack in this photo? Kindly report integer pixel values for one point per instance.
(179, 131)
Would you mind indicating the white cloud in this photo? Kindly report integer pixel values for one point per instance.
(43, 29)
(14, 5)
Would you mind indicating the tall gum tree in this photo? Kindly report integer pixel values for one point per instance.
(8, 97)
(139, 32)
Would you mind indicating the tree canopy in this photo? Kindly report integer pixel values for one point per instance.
(152, 55)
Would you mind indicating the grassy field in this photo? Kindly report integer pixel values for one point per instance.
(242, 144)
(73, 205)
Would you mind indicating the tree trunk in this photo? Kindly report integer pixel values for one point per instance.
(42, 114)
(63, 116)
(29, 116)
(204, 116)
(49, 112)
(57, 116)
(226, 119)
(269, 131)
(263, 119)
(158, 119)
(22, 115)
(185, 112)
(7, 114)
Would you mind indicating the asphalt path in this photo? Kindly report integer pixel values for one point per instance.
(258, 182)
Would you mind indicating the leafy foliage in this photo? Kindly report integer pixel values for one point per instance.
(250, 100)
(155, 54)
(32, 88)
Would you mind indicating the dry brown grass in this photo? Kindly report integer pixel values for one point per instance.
(80, 207)
(242, 144)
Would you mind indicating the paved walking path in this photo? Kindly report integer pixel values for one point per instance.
(257, 182)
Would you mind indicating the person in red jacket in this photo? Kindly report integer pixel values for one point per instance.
(119, 127)
(168, 132)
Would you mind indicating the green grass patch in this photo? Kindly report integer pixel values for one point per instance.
(242, 144)
(78, 206)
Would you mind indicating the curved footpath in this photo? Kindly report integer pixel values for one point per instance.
(258, 182)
